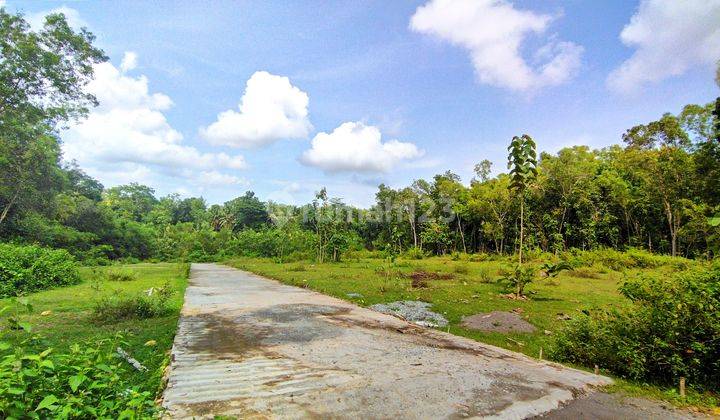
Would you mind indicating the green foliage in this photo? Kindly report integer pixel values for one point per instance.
(414, 254)
(620, 261)
(149, 304)
(25, 269)
(85, 382)
(669, 328)
(120, 274)
(553, 269)
(522, 162)
(518, 278)
(42, 78)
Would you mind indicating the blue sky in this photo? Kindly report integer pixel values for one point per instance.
(444, 84)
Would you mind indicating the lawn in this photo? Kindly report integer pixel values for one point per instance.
(61, 317)
(473, 289)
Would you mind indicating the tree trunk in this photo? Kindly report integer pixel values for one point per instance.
(414, 232)
(462, 235)
(672, 224)
(522, 215)
(9, 204)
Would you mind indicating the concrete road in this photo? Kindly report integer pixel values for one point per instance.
(251, 347)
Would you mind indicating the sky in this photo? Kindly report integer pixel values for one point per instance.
(282, 98)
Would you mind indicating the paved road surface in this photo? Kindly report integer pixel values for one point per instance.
(254, 348)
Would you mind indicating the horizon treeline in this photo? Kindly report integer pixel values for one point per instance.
(656, 192)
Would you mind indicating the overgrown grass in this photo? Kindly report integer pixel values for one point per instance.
(63, 317)
(466, 286)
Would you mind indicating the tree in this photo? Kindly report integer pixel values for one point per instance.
(42, 80)
(482, 170)
(522, 162)
(133, 201)
(247, 212)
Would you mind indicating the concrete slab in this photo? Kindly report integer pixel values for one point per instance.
(252, 347)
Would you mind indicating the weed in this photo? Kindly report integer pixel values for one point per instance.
(121, 275)
(150, 304)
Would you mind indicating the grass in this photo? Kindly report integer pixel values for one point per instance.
(67, 315)
(468, 287)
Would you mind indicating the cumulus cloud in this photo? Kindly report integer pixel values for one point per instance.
(129, 61)
(493, 32)
(128, 132)
(669, 38)
(270, 109)
(356, 147)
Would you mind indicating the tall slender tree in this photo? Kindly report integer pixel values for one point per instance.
(522, 162)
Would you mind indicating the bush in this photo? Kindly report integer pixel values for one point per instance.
(414, 254)
(121, 275)
(669, 329)
(140, 306)
(632, 258)
(461, 268)
(25, 269)
(87, 382)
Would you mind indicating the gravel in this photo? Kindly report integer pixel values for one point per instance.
(414, 311)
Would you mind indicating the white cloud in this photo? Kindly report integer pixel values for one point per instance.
(669, 37)
(271, 109)
(128, 132)
(493, 32)
(356, 147)
(129, 61)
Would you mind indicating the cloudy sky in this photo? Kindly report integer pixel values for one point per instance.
(215, 98)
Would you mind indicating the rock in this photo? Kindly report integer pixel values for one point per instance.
(414, 311)
(353, 295)
(563, 317)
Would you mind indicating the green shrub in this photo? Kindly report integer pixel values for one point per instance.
(486, 275)
(139, 306)
(25, 269)
(86, 382)
(121, 275)
(462, 268)
(477, 257)
(670, 328)
(414, 253)
(619, 261)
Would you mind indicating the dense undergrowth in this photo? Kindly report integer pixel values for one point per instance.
(58, 348)
(25, 269)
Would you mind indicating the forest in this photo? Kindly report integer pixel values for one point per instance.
(635, 227)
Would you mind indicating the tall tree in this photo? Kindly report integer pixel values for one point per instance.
(42, 78)
(522, 162)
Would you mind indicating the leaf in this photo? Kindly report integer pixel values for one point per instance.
(25, 326)
(47, 402)
(4, 345)
(75, 381)
(47, 364)
(714, 221)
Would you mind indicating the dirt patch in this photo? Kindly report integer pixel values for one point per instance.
(414, 311)
(498, 321)
(419, 279)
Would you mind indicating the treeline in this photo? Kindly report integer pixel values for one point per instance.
(656, 192)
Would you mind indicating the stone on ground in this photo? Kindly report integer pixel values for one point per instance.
(414, 311)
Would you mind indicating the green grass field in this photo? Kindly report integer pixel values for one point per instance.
(473, 289)
(61, 317)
